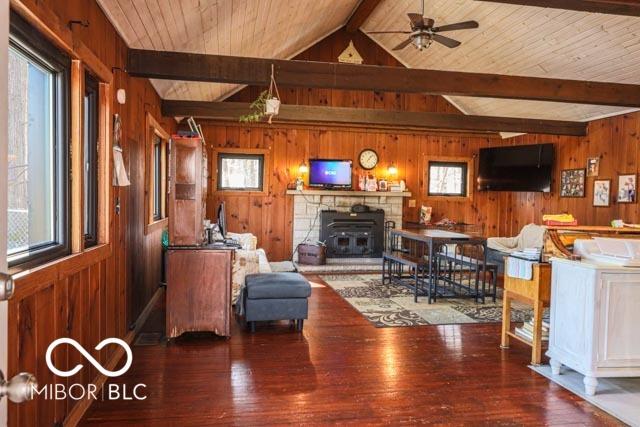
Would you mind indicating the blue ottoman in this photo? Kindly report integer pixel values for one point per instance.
(276, 296)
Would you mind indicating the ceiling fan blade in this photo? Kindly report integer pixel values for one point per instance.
(446, 41)
(404, 44)
(459, 26)
(388, 32)
(416, 20)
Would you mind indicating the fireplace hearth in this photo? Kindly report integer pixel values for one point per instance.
(352, 235)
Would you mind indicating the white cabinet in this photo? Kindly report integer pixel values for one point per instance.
(595, 320)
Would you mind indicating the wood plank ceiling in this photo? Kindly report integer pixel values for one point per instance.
(512, 39)
(520, 40)
(255, 28)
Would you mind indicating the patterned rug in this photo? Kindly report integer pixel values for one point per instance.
(395, 307)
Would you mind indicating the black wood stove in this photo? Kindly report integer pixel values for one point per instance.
(352, 235)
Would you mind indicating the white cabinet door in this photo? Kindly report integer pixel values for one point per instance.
(619, 320)
(571, 314)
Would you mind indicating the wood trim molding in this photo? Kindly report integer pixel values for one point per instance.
(213, 171)
(32, 280)
(77, 412)
(76, 153)
(471, 172)
(105, 192)
(376, 118)
(311, 74)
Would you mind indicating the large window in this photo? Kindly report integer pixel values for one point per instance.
(240, 172)
(447, 179)
(90, 172)
(38, 220)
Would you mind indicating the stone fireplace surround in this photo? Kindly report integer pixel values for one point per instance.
(308, 203)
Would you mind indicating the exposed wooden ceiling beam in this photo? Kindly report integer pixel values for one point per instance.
(611, 7)
(308, 74)
(339, 116)
(364, 9)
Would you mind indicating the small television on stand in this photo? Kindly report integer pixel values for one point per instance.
(330, 173)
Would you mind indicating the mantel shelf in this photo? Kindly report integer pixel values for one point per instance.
(349, 193)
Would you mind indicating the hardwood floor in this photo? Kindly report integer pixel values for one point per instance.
(343, 370)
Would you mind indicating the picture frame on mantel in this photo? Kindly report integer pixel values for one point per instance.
(627, 188)
(572, 182)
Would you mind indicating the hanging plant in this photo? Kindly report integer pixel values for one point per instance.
(267, 103)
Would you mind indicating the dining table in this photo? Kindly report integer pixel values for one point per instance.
(435, 246)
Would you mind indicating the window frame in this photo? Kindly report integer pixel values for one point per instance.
(90, 188)
(214, 170)
(153, 130)
(461, 165)
(35, 47)
(157, 177)
(444, 161)
(247, 156)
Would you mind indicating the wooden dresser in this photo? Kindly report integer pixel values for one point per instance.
(198, 276)
(198, 291)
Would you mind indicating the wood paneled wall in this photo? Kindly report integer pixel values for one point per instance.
(98, 293)
(614, 140)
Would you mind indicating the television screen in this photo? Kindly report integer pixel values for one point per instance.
(330, 173)
(519, 168)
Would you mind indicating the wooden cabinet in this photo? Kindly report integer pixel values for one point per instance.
(198, 291)
(594, 320)
(187, 191)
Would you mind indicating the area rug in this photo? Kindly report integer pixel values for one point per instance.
(619, 397)
(393, 305)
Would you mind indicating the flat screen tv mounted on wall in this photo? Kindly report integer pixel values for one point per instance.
(330, 173)
(518, 168)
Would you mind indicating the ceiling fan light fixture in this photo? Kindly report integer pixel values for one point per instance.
(422, 41)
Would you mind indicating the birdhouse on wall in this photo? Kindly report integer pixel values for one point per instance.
(350, 55)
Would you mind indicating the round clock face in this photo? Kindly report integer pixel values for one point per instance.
(368, 159)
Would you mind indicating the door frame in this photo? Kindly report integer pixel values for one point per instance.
(4, 102)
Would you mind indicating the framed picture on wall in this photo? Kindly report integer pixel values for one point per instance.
(601, 192)
(593, 166)
(572, 183)
(627, 188)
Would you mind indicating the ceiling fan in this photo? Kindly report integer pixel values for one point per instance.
(423, 32)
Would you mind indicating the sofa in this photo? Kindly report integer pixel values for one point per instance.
(248, 260)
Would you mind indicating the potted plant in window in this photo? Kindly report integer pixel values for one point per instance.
(267, 104)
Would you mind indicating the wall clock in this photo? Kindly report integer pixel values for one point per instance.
(368, 159)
